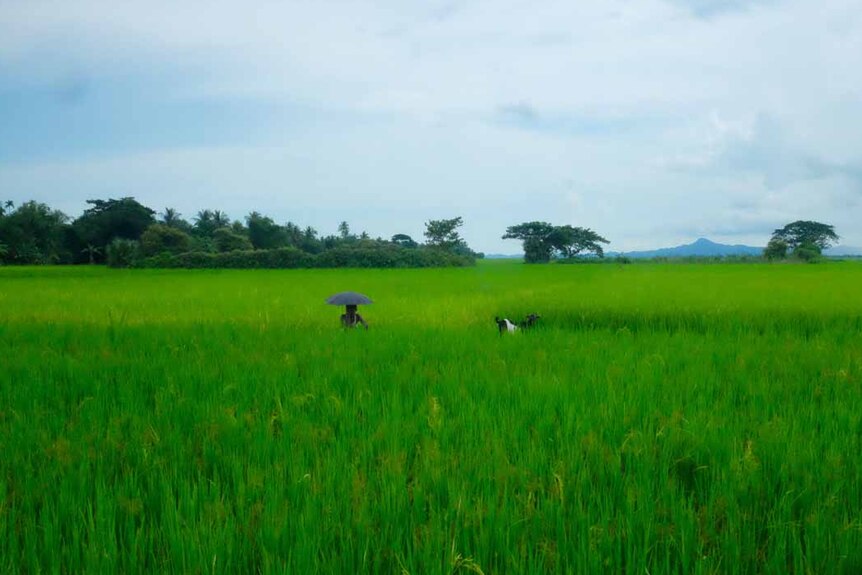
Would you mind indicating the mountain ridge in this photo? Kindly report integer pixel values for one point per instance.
(701, 247)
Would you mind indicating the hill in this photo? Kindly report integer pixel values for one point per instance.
(702, 247)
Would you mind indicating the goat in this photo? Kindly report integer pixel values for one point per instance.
(505, 325)
(530, 320)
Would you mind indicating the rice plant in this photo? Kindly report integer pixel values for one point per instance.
(660, 418)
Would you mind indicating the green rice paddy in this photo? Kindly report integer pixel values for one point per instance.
(662, 419)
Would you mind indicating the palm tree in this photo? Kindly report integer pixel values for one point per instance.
(91, 252)
(221, 219)
(203, 216)
(7, 205)
(204, 223)
(344, 230)
(170, 217)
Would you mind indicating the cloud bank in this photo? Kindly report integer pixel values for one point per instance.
(651, 122)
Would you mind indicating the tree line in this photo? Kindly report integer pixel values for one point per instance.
(123, 232)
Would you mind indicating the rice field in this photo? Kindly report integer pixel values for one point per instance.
(661, 419)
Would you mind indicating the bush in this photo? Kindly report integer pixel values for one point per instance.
(227, 240)
(122, 253)
(776, 249)
(160, 238)
(808, 253)
(368, 256)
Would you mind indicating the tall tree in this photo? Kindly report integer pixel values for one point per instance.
(808, 234)
(443, 234)
(221, 219)
(173, 219)
(542, 240)
(535, 237)
(92, 252)
(344, 230)
(263, 232)
(33, 234)
(170, 216)
(293, 234)
(776, 249)
(204, 225)
(404, 241)
(570, 241)
(208, 221)
(107, 220)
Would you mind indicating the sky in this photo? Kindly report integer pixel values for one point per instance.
(652, 122)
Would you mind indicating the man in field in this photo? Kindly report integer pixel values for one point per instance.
(351, 318)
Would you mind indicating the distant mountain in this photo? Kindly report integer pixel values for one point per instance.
(504, 256)
(838, 251)
(700, 248)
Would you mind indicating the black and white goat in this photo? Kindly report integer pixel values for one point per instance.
(507, 326)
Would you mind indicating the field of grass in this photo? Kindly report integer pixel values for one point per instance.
(662, 419)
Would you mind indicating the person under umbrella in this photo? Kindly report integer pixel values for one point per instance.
(349, 299)
(351, 318)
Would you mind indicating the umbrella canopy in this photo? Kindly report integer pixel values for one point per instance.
(348, 298)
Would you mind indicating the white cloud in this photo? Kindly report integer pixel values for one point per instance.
(499, 111)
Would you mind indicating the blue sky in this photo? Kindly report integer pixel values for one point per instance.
(653, 122)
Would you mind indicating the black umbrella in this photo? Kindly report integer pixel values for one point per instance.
(348, 298)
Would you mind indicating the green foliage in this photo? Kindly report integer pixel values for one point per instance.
(344, 230)
(443, 234)
(806, 233)
(542, 240)
(92, 252)
(208, 221)
(122, 253)
(808, 252)
(33, 234)
(227, 240)
(570, 241)
(663, 419)
(264, 233)
(106, 220)
(404, 241)
(160, 238)
(534, 235)
(776, 249)
(173, 219)
(371, 255)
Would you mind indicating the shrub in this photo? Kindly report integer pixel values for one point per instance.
(160, 238)
(122, 253)
(227, 240)
(776, 249)
(808, 252)
(372, 255)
